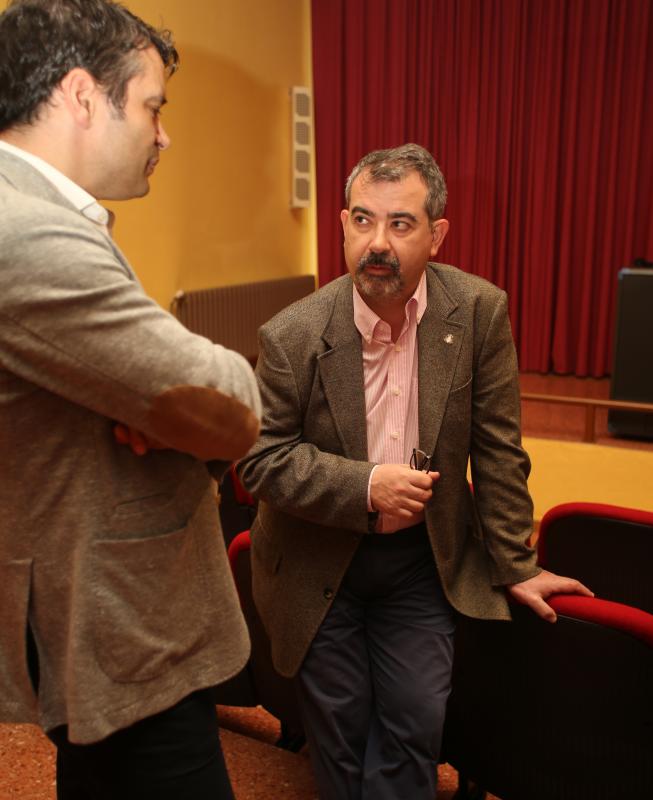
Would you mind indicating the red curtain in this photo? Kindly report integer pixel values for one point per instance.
(540, 113)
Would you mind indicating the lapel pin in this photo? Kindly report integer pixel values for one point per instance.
(449, 338)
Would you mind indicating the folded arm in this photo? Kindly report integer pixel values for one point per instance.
(75, 322)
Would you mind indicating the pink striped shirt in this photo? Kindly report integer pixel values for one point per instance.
(391, 388)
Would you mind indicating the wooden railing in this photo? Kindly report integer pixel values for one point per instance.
(591, 404)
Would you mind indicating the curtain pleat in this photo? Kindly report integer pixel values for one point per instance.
(540, 114)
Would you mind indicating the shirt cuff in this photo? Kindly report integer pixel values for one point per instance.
(369, 490)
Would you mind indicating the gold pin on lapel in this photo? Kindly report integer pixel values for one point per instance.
(449, 338)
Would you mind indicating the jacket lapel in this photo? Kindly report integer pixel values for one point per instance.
(341, 373)
(341, 367)
(439, 342)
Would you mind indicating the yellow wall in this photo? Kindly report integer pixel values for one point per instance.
(218, 211)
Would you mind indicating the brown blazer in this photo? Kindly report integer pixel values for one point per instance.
(310, 468)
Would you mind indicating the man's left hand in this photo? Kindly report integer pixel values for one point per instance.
(534, 591)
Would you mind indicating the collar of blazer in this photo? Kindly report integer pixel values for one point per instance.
(341, 366)
(24, 178)
(27, 179)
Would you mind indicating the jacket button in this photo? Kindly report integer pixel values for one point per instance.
(328, 593)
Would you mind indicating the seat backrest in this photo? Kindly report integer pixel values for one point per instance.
(555, 712)
(237, 506)
(241, 495)
(608, 548)
(274, 692)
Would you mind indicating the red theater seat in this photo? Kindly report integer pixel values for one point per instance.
(563, 711)
(237, 506)
(606, 547)
(265, 686)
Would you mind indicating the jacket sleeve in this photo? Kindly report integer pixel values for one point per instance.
(290, 467)
(75, 322)
(499, 465)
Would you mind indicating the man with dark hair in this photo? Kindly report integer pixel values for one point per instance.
(102, 38)
(117, 607)
(377, 391)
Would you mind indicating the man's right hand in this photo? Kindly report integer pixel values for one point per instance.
(134, 439)
(399, 490)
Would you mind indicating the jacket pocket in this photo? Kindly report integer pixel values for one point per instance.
(149, 598)
(466, 385)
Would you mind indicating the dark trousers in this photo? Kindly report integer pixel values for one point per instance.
(374, 685)
(174, 755)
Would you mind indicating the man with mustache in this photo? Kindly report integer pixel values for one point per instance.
(118, 608)
(377, 390)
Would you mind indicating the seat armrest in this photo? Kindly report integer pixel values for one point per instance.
(241, 542)
(625, 618)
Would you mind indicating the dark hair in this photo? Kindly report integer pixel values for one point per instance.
(42, 40)
(394, 164)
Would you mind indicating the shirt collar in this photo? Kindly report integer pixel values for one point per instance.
(80, 198)
(366, 320)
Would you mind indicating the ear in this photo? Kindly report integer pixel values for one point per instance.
(439, 230)
(80, 93)
(344, 216)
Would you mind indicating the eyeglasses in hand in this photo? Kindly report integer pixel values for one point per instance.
(420, 460)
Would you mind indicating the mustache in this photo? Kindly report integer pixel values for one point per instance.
(379, 260)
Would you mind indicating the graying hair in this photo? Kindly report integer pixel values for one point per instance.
(394, 164)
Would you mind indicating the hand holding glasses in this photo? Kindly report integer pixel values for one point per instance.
(419, 460)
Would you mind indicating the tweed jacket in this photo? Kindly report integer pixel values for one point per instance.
(115, 561)
(310, 467)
